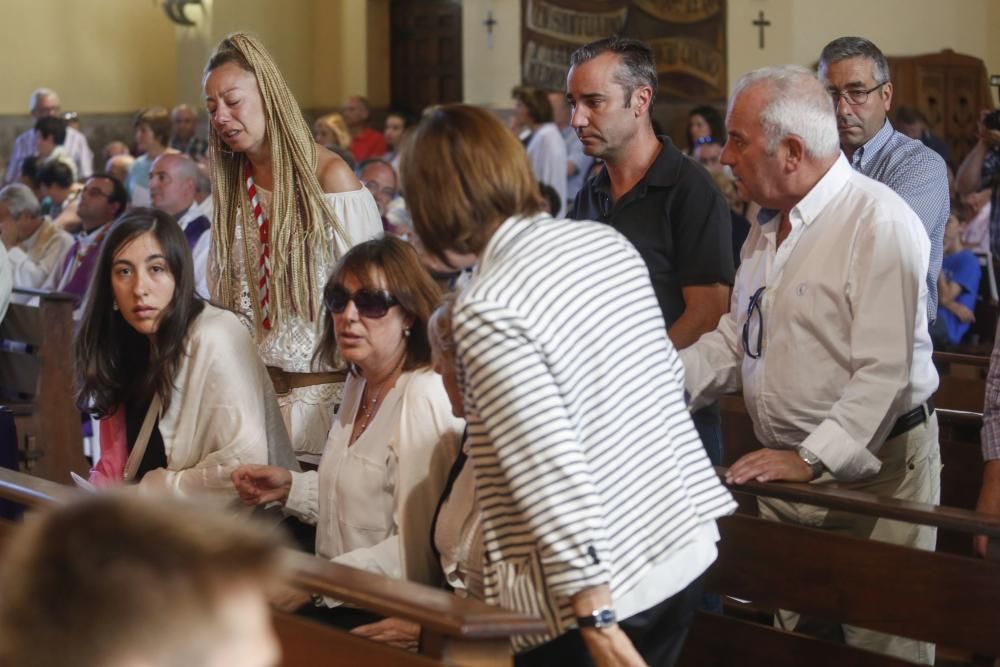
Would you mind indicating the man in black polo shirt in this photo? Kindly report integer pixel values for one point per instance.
(666, 204)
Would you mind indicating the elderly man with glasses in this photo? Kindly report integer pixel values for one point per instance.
(856, 75)
(826, 337)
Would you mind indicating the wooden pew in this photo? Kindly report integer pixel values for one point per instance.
(946, 599)
(459, 632)
(37, 383)
(962, 381)
(961, 475)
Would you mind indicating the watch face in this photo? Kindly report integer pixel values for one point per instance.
(605, 617)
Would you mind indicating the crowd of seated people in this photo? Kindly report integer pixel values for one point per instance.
(259, 327)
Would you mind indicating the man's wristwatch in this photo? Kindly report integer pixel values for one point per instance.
(812, 461)
(600, 619)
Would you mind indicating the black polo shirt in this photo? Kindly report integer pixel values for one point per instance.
(677, 219)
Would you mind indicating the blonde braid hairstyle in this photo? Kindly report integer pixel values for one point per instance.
(301, 219)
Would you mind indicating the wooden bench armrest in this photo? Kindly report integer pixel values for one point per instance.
(435, 610)
(964, 359)
(47, 295)
(953, 518)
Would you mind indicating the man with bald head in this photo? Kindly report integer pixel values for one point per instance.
(833, 277)
(184, 138)
(45, 103)
(365, 142)
(172, 188)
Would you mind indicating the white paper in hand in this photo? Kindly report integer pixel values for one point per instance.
(82, 483)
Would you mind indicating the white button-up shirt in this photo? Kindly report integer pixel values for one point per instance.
(845, 348)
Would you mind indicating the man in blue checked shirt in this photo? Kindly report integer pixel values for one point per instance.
(856, 75)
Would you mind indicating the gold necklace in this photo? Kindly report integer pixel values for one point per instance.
(368, 409)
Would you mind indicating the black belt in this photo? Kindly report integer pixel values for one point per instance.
(912, 419)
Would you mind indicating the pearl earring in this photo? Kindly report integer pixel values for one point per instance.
(406, 333)
(114, 306)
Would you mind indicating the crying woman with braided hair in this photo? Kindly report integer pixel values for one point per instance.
(285, 211)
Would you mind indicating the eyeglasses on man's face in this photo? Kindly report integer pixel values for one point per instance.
(375, 189)
(94, 191)
(854, 96)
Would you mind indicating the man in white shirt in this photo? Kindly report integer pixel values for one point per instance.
(6, 282)
(45, 102)
(827, 331)
(172, 187)
(36, 247)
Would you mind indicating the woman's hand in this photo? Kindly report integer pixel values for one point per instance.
(260, 485)
(289, 599)
(392, 631)
(611, 647)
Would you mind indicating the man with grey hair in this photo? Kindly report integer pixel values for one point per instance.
(173, 182)
(856, 74)
(832, 278)
(44, 103)
(665, 204)
(35, 246)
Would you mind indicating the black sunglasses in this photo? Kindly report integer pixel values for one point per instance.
(370, 303)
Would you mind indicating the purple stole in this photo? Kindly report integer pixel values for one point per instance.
(195, 229)
(80, 280)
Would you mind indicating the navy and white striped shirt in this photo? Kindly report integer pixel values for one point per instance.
(588, 468)
(918, 175)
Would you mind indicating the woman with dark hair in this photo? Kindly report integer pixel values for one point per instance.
(393, 438)
(177, 383)
(285, 210)
(597, 499)
(533, 123)
(704, 121)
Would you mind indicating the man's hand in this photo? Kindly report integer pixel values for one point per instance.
(963, 313)
(8, 233)
(986, 135)
(394, 631)
(769, 465)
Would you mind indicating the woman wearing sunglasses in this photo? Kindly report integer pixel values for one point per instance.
(184, 398)
(393, 439)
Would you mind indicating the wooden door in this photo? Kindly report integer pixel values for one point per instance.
(426, 56)
(950, 89)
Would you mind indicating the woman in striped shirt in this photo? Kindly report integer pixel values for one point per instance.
(598, 501)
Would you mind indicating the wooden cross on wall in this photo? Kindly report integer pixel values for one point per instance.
(761, 23)
(489, 23)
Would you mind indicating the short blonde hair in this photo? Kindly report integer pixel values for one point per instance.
(335, 123)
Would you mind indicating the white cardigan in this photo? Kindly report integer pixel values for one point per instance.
(373, 501)
(223, 412)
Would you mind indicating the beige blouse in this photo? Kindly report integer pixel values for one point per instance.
(372, 501)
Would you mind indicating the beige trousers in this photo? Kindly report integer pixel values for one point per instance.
(911, 470)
